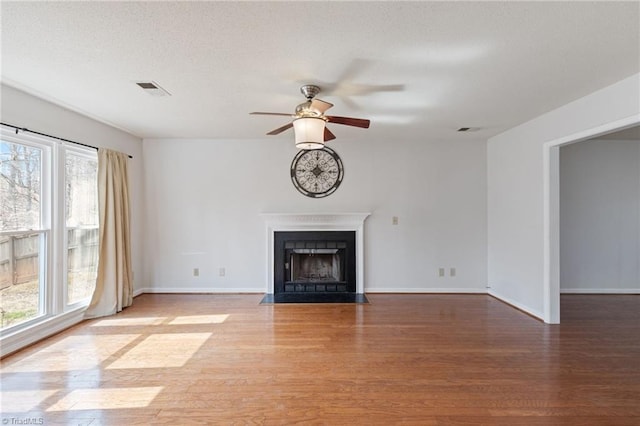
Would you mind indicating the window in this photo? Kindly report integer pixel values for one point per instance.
(48, 217)
(23, 239)
(81, 201)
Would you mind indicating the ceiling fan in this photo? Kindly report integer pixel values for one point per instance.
(309, 120)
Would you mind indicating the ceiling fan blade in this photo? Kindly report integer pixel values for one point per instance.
(280, 129)
(328, 135)
(349, 121)
(271, 113)
(320, 105)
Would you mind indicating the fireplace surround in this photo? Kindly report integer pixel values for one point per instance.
(312, 222)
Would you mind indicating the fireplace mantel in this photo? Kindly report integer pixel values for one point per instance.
(316, 222)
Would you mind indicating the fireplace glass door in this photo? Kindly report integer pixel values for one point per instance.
(315, 266)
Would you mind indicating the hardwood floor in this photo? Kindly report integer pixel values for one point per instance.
(402, 359)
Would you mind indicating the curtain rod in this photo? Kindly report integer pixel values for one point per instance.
(24, 129)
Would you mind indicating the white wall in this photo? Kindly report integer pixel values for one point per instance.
(516, 176)
(600, 217)
(24, 110)
(204, 199)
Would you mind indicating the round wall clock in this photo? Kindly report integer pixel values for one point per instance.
(317, 173)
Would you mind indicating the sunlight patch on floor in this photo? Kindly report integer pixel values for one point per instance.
(72, 353)
(200, 319)
(24, 400)
(117, 322)
(107, 398)
(162, 350)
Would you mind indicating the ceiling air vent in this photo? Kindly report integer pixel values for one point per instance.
(152, 88)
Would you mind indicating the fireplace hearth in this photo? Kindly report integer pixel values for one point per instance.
(319, 262)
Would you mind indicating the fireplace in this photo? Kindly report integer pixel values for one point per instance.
(315, 262)
(351, 270)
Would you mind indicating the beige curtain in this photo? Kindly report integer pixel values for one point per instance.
(114, 284)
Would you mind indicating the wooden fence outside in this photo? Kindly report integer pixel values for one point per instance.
(19, 254)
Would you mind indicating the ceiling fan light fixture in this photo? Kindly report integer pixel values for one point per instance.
(309, 132)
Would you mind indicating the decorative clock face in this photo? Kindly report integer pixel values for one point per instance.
(317, 173)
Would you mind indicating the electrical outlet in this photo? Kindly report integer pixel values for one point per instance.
(441, 272)
(394, 220)
(222, 272)
(196, 272)
(452, 272)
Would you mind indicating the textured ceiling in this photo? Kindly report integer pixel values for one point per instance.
(416, 69)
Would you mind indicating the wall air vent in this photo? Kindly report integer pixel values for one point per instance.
(152, 88)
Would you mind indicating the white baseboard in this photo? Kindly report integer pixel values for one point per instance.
(426, 290)
(517, 305)
(185, 290)
(27, 336)
(600, 291)
(199, 290)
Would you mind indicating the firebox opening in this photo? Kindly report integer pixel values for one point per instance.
(308, 265)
